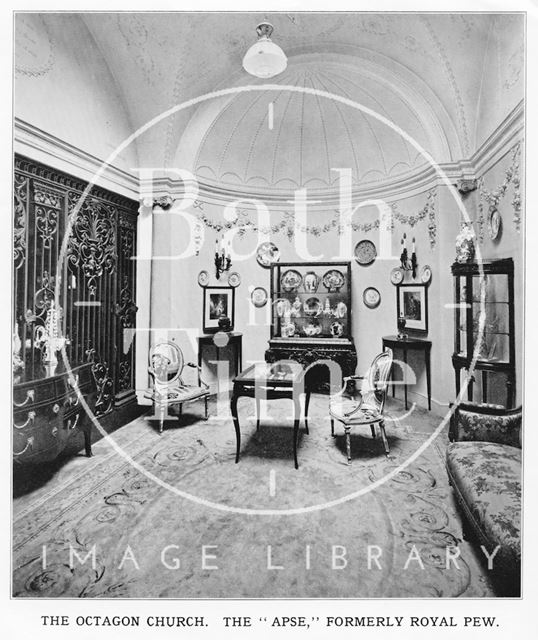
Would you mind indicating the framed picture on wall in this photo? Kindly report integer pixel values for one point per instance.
(412, 300)
(219, 302)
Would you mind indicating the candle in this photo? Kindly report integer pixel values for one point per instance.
(413, 245)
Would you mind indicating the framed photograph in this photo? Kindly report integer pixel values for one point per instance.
(412, 300)
(218, 302)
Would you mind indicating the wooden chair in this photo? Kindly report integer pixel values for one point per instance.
(363, 404)
(166, 364)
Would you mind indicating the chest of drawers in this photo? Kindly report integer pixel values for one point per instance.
(48, 411)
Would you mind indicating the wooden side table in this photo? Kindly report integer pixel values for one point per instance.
(218, 340)
(412, 344)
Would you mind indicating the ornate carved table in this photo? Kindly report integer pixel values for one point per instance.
(315, 355)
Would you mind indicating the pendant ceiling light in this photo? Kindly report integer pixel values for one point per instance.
(265, 59)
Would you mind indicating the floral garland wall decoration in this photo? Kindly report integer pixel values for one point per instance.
(493, 198)
(290, 226)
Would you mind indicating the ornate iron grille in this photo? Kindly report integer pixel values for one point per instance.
(98, 274)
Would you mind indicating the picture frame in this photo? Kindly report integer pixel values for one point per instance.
(412, 300)
(218, 301)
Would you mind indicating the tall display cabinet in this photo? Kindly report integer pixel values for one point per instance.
(311, 318)
(484, 330)
(89, 277)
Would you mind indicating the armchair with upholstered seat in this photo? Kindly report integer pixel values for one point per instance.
(166, 364)
(362, 400)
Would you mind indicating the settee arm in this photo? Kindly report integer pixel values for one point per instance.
(486, 423)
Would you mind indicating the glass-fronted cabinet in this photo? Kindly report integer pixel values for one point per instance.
(484, 340)
(311, 320)
(311, 300)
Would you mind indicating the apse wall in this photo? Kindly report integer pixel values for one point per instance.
(431, 217)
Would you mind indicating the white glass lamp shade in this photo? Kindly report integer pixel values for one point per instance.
(265, 59)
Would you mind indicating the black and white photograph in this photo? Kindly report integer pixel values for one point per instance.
(358, 439)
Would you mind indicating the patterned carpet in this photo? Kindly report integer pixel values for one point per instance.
(407, 523)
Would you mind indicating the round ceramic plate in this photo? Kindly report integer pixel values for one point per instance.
(426, 274)
(371, 297)
(312, 307)
(337, 329)
(494, 223)
(365, 252)
(267, 254)
(333, 280)
(397, 275)
(291, 280)
(259, 297)
(234, 279)
(203, 278)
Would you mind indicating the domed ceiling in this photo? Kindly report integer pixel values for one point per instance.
(428, 74)
(285, 139)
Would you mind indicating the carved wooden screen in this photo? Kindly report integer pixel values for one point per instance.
(97, 289)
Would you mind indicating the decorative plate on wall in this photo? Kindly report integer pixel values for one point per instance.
(397, 275)
(291, 280)
(267, 253)
(494, 223)
(203, 278)
(234, 279)
(259, 297)
(426, 274)
(334, 280)
(365, 252)
(371, 297)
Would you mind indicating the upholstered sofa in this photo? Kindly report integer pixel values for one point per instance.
(483, 462)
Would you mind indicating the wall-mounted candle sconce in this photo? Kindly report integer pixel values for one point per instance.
(406, 264)
(223, 258)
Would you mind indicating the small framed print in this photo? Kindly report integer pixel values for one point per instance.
(218, 302)
(412, 301)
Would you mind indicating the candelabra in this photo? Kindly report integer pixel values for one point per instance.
(406, 264)
(48, 339)
(223, 258)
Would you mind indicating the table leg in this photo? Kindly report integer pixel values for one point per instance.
(306, 405)
(297, 420)
(258, 411)
(405, 375)
(429, 380)
(484, 386)
(233, 410)
(88, 438)
(240, 353)
(391, 377)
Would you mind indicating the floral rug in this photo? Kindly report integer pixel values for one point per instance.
(185, 521)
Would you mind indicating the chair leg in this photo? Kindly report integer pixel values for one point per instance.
(384, 436)
(180, 412)
(206, 411)
(332, 427)
(372, 427)
(348, 444)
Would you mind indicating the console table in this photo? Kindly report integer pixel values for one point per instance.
(411, 344)
(47, 411)
(221, 340)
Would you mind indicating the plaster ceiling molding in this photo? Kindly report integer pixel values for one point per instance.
(234, 145)
(34, 46)
(447, 67)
